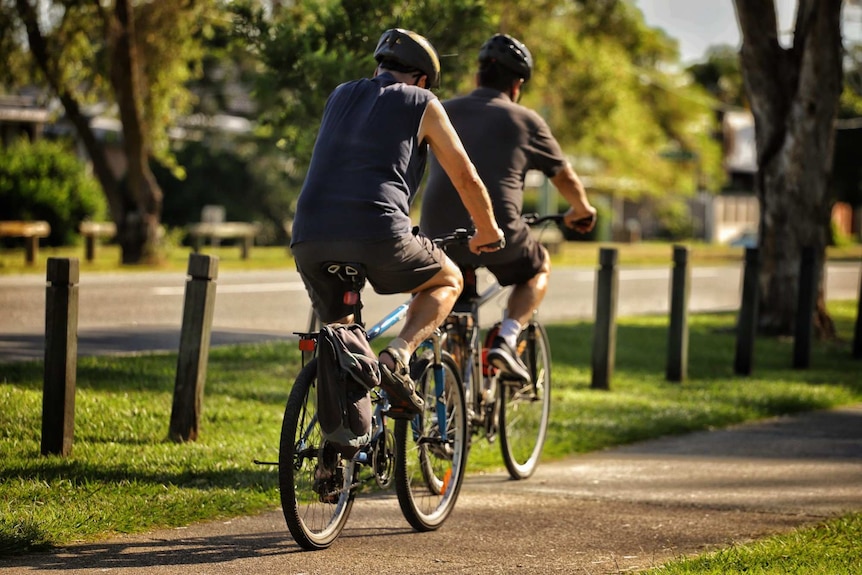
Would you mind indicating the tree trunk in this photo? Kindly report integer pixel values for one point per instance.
(138, 232)
(794, 96)
(135, 207)
(41, 54)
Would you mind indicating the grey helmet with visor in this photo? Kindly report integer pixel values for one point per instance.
(410, 50)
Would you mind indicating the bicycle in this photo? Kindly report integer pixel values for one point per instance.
(425, 456)
(518, 411)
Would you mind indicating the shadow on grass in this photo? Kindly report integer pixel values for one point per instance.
(261, 372)
(21, 537)
(86, 475)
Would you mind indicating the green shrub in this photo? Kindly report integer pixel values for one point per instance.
(250, 180)
(839, 238)
(674, 220)
(44, 180)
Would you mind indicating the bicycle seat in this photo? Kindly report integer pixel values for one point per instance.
(353, 275)
(470, 294)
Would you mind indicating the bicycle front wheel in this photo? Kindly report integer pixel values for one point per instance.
(431, 448)
(526, 407)
(315, 513)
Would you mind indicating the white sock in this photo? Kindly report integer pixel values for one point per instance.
(509, 331)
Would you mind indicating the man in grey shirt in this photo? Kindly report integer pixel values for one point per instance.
(505, 140)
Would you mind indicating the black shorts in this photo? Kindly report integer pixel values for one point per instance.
(517, 263)
(527, 261)
(398, 265)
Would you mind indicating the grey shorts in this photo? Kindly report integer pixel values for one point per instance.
(397, 265)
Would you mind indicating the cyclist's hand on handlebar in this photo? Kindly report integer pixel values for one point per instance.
(487, 240)
(582, 220)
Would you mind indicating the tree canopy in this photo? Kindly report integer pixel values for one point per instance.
(311, 47)
(603, 79)
(609, 85)
(138, 57)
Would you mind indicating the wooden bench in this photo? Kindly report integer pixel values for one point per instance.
(30, 231)
(93, 231)
(243, 231)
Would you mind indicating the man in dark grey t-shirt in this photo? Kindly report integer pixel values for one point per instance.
(504, 141)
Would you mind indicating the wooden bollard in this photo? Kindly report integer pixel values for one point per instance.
(746, 324)
(31, 250)
(61, 356)
(605, 326)
(677, 340)
(245, 247)
(194, 347)
(806, 298)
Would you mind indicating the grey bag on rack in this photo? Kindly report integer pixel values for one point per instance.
(347, 369)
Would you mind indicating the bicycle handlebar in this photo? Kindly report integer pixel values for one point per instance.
(535, 219)
(462, 235)
(498, 245)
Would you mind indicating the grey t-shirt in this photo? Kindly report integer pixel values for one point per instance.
(504, 141)
(367, 163)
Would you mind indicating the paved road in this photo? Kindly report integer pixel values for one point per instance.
(615, 511)
(143, 311)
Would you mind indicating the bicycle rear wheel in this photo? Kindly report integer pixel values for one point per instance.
(431, 463)
(315, 517)
(526, 407)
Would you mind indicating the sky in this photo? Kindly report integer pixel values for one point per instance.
(699, 24)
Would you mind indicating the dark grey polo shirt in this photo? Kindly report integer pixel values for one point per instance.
(504, 141)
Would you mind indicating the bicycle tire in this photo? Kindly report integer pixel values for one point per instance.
(525, 409)
(314, 520)
(429, 472)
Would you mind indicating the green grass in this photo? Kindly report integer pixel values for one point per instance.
(176, 258)
(830, 548)
(122, 462)
(269, 257)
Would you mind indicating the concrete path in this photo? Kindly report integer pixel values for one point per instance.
(616, 511)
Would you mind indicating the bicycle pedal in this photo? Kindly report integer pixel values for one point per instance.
(512, 380)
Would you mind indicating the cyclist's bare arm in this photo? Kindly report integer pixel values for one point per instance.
(572, 189)
(447, 147)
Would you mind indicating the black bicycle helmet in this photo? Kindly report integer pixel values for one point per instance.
(410, 50)
(509, 53)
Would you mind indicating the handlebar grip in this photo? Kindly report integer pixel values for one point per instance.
(585, 221)
(499, 244)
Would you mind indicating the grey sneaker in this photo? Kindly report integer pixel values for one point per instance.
(502, 356)
(406, 402)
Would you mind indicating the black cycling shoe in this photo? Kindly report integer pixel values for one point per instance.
(503, 357)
